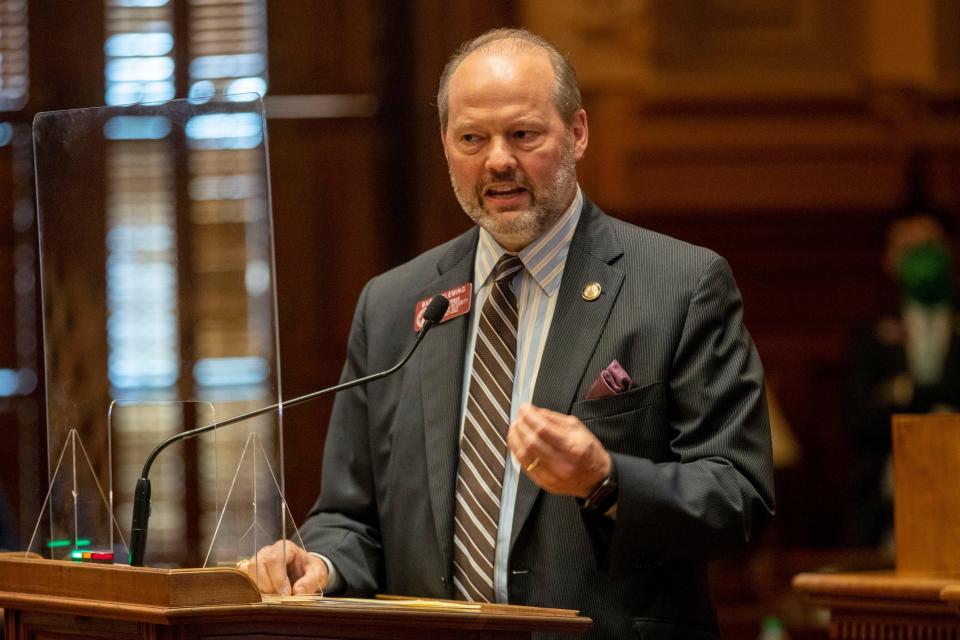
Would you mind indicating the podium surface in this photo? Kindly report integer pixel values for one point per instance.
(49, 599)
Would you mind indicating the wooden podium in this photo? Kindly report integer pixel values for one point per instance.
(921, 598)
(58, 600)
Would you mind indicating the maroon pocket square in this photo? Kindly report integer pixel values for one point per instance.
(610, 382)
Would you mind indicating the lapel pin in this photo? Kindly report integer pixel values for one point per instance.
(591, 291)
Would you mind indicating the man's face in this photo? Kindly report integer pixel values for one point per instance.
(512, 160)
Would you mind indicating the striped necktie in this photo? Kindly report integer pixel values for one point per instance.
(483, 445)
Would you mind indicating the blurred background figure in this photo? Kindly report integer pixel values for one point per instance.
(908, 361)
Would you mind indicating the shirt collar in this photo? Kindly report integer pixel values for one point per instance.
(543, 258)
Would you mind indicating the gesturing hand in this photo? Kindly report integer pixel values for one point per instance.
(558, 451)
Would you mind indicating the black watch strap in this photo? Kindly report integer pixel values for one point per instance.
(604, 496)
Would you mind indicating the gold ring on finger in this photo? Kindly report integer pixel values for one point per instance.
(533, 464)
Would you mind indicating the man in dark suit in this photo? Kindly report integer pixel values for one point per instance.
(635, 443)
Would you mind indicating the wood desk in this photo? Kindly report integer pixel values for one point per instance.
(55, 600)
(951, 595)
(886, 605)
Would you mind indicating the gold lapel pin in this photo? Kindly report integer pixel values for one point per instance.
(591, 291)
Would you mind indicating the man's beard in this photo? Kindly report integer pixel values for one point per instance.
(546, 206)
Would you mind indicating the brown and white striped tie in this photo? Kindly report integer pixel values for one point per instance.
(483, 445)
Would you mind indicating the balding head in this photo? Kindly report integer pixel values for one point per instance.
(566, 93)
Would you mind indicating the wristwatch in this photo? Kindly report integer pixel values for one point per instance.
(604, 497)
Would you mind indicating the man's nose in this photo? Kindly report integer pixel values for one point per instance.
(500, 156)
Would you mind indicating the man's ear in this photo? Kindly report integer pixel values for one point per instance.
(581, 133)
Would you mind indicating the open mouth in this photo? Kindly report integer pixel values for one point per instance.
(504, 192)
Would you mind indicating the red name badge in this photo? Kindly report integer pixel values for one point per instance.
(459, 298)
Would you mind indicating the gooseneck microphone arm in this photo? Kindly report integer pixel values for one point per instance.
(432, 315)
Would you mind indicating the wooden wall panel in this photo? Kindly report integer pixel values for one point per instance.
(739, 157)
(321, 47)
(328, 208)
(325, 221)
(66, 54)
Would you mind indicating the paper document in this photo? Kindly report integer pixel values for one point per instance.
(369, 603)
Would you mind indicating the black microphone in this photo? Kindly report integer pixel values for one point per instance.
(432, 315)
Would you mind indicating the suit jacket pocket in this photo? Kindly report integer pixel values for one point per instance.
(632, 423)
(635, 398)
(649, 629)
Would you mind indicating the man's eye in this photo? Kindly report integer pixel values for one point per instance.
(470, 138)
(524, 135)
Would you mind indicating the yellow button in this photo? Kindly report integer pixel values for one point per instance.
(591, 291)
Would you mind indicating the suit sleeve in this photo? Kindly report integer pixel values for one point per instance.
(343, 524)
(716, 493)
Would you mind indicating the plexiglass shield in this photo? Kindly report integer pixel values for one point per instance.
(159, 315)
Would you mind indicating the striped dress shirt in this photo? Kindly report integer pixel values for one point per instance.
(536, 287)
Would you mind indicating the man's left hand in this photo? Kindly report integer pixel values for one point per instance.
(558, 452)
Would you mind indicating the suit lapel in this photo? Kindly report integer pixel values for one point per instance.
(441, 389)
(576, 329)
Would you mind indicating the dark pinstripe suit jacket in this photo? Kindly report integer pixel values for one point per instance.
(691, 440)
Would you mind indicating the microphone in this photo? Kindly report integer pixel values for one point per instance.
(432, 315)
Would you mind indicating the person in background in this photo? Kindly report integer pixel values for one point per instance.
(906, 362)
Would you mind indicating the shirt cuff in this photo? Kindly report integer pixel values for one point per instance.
(334, 580)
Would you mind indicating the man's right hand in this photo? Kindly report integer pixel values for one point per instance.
(286, 568)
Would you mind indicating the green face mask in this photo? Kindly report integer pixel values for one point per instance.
(926, 274)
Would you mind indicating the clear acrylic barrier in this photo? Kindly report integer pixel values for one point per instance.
(159, 315)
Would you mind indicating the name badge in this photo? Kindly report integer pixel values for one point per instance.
(459, 298)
